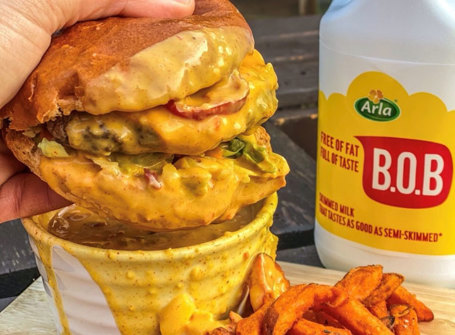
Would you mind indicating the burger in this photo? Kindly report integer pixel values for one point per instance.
(156, 123)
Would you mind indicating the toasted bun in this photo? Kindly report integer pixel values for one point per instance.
(182, 201)
(106, 65)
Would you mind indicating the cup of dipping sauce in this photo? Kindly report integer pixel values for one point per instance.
(109, 278)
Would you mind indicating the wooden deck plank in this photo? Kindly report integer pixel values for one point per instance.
(301, 127)
(288, 25)
(299, 46)
(15, 252)
(295, 212)
(291, 45)
(298, 82)
(303, 255)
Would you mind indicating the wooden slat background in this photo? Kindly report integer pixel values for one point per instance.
(291, 45)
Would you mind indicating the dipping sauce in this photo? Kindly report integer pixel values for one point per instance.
(140, 287)
(81, 226)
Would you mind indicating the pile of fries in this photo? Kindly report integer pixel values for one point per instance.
(365, 302)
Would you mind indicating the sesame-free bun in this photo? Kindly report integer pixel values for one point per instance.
(131, 64)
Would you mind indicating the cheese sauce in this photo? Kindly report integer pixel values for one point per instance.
(156, 75)
(158, 130)
(81, 226)
(142, 288)
(194, 191)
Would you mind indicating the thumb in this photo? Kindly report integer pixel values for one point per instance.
(24, 195)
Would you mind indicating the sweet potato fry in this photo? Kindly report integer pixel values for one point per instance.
(402, 296)
(325, 319)
(234, 317)
(310, 315)
(355, 316)
(252, 325)
(292, 304)
(266, 281)
(379, 310)
(405, 320)
(382, 313)
(221, 331)
(305, 327)
(389, 283)
(359, 282)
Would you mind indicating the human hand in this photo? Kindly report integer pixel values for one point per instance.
(22, 193)
(26, 27)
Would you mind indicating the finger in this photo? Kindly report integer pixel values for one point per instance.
(3, 147)
(70, 12)
(9, 166)
(25, 195)
(90, 9)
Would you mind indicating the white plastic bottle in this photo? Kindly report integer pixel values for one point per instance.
(385, 181)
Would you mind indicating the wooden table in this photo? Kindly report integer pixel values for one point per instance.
(291, 45)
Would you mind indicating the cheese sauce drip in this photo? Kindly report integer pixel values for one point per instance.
(44, 253)
(81, 226)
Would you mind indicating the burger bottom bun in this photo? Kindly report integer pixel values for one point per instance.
(194, 190)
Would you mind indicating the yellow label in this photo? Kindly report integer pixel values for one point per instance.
(385, 167)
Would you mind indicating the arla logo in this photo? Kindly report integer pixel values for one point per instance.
(377, 108)
(405, 172)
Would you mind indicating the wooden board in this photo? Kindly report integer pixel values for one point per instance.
(295, 212)
(30, 315)
(292, 45)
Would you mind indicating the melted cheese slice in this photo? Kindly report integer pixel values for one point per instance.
(156, 75)
(158, 130)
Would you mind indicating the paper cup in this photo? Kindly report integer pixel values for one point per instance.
(102, 291)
